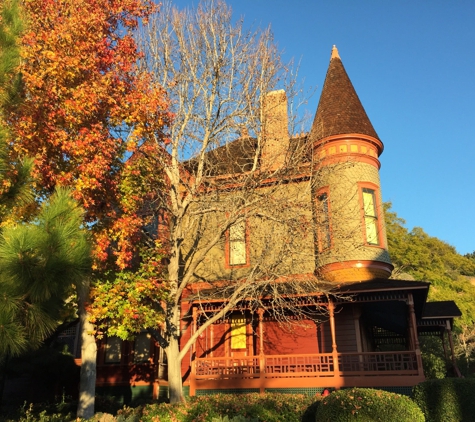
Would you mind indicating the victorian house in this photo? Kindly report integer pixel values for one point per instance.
(368, 334)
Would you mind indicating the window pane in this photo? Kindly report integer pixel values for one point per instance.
(237, 253)
(238, 332)
(323, 222)
(370, 216)
(368, 200)
(113, 350)
(142, 347)
(371, 230)
(237, 244)
(237, 231)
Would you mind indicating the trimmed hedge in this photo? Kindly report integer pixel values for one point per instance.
(366, 404)
(446, 400)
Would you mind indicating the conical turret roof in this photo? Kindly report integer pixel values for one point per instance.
(339, 110)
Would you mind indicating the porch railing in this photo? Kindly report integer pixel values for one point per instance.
(306, 365)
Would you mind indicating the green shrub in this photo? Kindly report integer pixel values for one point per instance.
(365, 404)
(446, 400)
(38, 412)
(247, 407)
(234, 419)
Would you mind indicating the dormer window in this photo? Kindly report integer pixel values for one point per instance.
(370, 216)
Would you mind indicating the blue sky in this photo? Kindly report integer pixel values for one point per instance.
(412, 64)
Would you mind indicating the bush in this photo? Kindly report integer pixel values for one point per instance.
(234, 419)
(245, 407)
(365, 404)
(446, 400)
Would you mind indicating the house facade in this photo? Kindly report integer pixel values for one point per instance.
(363, 331)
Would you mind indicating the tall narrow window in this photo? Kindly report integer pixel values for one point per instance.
(113, 350)
(238, 332)
(142, 348)
(323, 222)
(370, 216)
(237, 244)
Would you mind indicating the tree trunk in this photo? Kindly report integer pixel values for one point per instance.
(175, 382)
(87, 386)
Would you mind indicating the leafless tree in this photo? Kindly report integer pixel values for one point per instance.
(232, 170)
(466, 343)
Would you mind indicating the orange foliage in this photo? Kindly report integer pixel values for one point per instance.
(86, 109)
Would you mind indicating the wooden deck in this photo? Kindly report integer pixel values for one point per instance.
(307, 370)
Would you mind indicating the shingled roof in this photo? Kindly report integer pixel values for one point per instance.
(339, 110)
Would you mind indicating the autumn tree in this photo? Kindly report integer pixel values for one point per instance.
(85, 111)
(222, 83)
(43, 250)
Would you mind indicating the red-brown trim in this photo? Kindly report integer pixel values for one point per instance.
(350, 136)
(350, 146)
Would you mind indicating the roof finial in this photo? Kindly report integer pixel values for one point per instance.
(335, 54)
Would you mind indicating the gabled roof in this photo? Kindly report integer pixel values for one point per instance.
(238, 156)
(339, 110)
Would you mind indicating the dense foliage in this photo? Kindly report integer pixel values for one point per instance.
(85, 110)
(39, 265)
(417, 255)
(212, 408)
(364, 404)
(267, 407)
(88, 119)
(450, 399)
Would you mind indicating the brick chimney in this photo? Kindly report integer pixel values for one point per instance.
(275, 131)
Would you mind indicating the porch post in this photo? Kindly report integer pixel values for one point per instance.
(331, 310)
(442, 336)
(413, 332)
(193, 356)
(260, 313)
(193, 379)
(195, 325)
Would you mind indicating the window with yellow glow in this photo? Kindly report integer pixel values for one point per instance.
(238, 332)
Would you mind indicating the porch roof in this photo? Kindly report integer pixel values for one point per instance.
(442, 309)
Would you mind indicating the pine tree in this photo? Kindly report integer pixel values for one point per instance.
(40, 264)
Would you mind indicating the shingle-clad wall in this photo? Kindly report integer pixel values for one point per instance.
(279, 234)
(343, 181)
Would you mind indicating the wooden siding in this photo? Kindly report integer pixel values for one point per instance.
(345, 331)
(281, 340)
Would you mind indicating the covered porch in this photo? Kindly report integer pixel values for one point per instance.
(367, 340)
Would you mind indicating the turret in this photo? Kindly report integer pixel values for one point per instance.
(351, 240)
